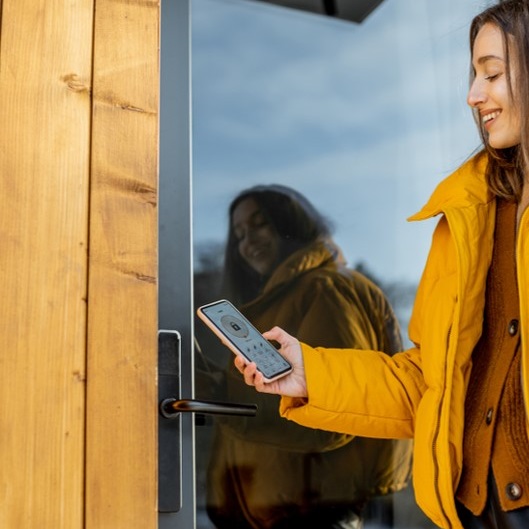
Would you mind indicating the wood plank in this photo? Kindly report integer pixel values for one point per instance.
(122, 319)
(45, 58)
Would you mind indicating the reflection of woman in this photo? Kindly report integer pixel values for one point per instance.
(462, 391)
(282, 267)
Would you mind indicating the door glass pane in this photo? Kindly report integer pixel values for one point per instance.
(363, 120)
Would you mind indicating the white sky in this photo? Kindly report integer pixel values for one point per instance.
(363, 119)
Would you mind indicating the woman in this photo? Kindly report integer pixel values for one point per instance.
(281, 265)
(460, 391)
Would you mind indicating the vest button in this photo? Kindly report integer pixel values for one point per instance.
(513, 491)
(490, 413)
(513, 327)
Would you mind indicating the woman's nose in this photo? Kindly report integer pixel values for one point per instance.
(250, 235)
(476, 95)
(246, 241)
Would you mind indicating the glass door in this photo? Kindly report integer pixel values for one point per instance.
(362, 120)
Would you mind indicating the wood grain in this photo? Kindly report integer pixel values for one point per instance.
(122, 295)
(78, 236)
(45, 77)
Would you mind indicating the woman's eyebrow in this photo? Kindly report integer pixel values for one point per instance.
(252, 217)
(486, 58)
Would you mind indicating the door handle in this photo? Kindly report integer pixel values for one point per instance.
(171, 407)
(170, 431)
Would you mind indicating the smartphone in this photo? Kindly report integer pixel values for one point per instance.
(239, 335)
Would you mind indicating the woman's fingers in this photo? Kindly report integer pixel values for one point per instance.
(249, 370)
(294, 384)
(279, 335)
(240, 363)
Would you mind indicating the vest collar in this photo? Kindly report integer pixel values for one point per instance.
(463, 188)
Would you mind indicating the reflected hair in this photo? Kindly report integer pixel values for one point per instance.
(293, 217)
(506, 167)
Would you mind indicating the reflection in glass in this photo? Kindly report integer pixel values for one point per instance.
(283, 268)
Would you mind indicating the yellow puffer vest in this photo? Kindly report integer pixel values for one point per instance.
(420, 393)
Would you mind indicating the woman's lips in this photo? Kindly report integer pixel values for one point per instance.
(489, 118)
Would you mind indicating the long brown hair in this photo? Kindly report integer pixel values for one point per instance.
(506, 167)
(294, 218)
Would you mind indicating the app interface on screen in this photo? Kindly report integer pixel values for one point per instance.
(247, 339)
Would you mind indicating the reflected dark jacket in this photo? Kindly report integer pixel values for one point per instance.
(270, 463)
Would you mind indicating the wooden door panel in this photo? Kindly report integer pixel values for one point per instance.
(78, 231)
(122, 294)
(46, 62)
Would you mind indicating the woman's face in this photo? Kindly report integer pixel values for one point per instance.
(258, 241)
(489, 93)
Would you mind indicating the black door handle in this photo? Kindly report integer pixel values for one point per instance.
(170, 431)
(171, 407)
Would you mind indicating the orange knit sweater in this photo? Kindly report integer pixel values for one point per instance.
(495, 437)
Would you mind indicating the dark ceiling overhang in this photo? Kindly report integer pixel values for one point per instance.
(352, 10)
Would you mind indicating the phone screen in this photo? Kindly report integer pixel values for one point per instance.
(229, 323)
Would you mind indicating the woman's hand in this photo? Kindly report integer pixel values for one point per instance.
(291, 385)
